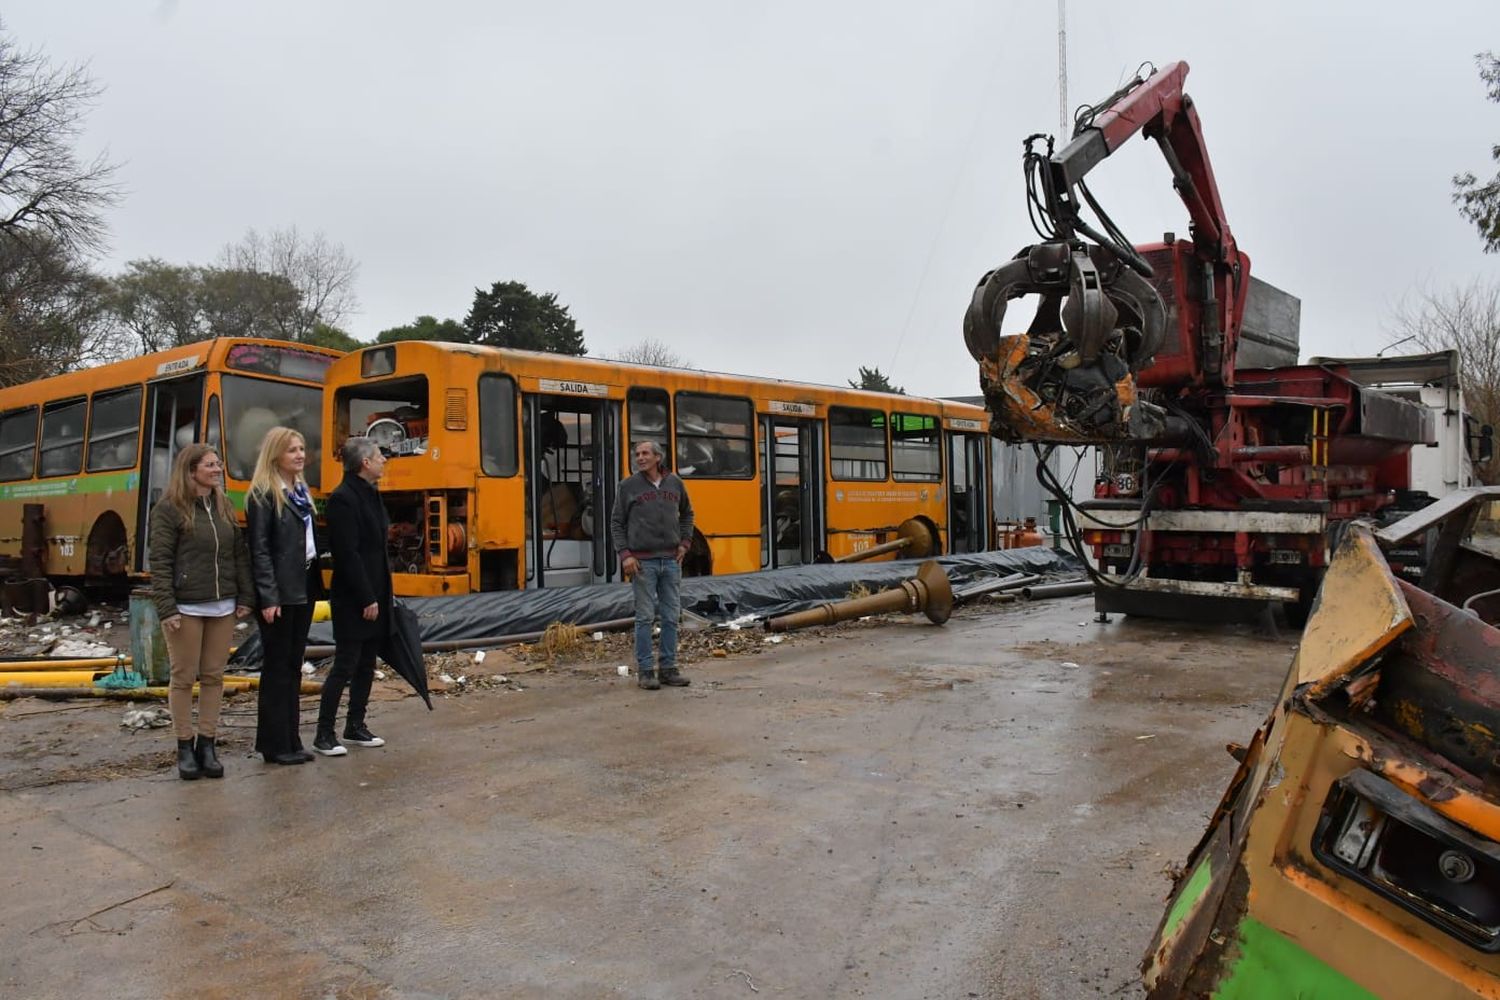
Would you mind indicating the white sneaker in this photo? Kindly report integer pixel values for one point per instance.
(362, 737)
(329, 747)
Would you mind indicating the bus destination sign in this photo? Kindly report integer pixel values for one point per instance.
(573, 388)
(179, 366)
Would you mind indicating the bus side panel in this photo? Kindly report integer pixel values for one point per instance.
(65, 529)
(864, 514)
(497, 522)
(111, 501)
(727, 514)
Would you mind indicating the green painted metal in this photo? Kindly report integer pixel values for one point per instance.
(1265, 965)
(1196, 886)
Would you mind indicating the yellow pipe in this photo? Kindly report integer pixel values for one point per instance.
(95, 663)
(84, 678)
(122, 694)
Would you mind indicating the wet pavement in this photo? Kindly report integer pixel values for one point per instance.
(988, 809)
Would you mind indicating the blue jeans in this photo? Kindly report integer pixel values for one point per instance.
(656, 588)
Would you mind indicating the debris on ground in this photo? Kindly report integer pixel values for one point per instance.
(102, 631)
(151, 717)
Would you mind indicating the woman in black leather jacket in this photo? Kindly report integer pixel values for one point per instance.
(284, 559)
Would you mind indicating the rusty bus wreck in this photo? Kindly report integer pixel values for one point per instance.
(1356, 852)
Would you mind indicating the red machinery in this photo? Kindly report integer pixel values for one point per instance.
(1231, 468)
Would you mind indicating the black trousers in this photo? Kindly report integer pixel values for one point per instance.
(283, 643)
(353, 666)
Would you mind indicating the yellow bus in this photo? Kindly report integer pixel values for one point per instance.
(503, 465)
(94, 447)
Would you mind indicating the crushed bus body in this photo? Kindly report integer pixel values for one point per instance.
(1356, 851)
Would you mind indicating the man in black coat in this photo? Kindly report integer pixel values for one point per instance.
(361, 596)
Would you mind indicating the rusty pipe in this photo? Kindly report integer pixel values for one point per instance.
(928, 592)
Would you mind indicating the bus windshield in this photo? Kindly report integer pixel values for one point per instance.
(252, 406)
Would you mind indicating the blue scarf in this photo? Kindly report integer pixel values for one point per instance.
(300, 501)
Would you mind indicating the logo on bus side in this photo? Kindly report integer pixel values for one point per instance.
(573, 388)
(178, 366)
(794, 409)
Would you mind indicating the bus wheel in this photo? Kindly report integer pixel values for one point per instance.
(699, 560)
(108, 556)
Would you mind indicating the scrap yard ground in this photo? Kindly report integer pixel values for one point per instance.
(987, 809)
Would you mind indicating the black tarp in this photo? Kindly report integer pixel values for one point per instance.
(767, 593)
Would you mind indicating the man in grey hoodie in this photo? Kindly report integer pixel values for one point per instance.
(652, 527)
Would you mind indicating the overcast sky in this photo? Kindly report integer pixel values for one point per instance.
(788, 189)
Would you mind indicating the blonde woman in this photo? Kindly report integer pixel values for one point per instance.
(200, 582)
(284, 557)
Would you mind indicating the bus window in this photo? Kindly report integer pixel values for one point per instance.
(252, 406)
(916, 453)
(62, 438)
(393, 414)
(715, 437)
(17, 444)
(856, 443)
(215, 435)
(497, 425)
(115, 431)
(648, 420)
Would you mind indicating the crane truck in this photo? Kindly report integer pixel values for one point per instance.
(1231, 469)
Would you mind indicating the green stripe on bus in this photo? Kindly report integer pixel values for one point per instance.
(1269, 966)
(101, 482)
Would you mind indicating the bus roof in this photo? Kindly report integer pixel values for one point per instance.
(504, 358)
(209, 354)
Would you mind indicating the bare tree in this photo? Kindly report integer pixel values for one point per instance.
(320, 270)
(654, 353)
(44, 187)
(1465, 318)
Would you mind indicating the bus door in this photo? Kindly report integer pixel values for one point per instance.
(792, 523)
(968, 486)
(571, 454)
(174, 413)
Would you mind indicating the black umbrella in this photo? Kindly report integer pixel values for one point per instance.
(402, 649)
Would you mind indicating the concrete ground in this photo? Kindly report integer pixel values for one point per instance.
(988, 809)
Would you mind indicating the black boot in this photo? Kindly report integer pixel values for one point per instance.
(647, 680)
(671, 678)
(187, 761)
(208, 760)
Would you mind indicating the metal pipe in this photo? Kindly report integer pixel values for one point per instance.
(1010, 582)
(1068, 589)
(1285, 454)
(54, 678)
(486, 642)
(928, 592)
(154, 692)
(89, 663)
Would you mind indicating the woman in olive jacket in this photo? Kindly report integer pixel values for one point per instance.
(200, 583)
(284, 556)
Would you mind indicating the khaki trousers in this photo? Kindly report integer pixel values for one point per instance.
(198, 649)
